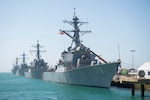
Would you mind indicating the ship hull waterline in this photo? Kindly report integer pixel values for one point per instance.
(93, 76)
(20, 72)
(13, 71)
(34, 74)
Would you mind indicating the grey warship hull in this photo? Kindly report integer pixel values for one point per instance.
(34, 74)
(94, 76)
(20, 72)
(13, 71)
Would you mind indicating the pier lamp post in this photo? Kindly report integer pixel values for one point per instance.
(133, 57)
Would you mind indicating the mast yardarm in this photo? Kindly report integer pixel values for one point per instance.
(76, 30)
(38, 50)
(23, 57)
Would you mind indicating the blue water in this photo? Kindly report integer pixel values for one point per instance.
(20, 88)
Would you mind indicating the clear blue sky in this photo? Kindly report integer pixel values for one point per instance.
(112, 22)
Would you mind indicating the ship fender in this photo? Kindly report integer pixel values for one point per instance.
(141, 73)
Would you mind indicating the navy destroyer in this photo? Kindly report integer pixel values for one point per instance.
(23, 67)
(38, 65)
(15, 67)
(79, 65)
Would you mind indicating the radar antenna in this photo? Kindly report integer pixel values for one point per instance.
(74, 11)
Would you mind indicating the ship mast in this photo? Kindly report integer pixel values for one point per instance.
(23, 57)
(38, 50)
(17, 61)
(76, 37)
(76, 24)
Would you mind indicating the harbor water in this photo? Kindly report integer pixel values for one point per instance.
(20, 88)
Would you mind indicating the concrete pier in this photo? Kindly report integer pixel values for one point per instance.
(143, 82)
(132, 82)
(133, 90)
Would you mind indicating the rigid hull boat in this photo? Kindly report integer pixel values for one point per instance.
(79, 65)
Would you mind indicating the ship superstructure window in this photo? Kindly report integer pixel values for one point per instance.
(149, 73)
